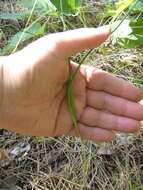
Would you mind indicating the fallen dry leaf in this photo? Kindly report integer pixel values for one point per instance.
(105, 149)
(3, 155)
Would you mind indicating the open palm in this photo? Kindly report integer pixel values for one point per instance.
(34, 85)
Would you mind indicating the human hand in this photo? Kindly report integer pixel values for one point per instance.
(34, 83)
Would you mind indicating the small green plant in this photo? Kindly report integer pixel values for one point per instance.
(33, 30)
(54, 7)
(70, 97)
(38, 10)
(134, 38)
(129, 34)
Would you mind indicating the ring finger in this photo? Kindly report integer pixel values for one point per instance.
(116, 105)
(92, 117)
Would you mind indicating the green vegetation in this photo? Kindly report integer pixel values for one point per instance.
(35, 11)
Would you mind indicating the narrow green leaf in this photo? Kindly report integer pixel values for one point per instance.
(70, 96)
(71, 106)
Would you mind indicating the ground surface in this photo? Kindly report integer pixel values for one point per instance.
(62, 163)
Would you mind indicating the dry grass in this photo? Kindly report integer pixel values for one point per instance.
(60, 163)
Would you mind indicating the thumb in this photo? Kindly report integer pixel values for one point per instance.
(75, 41)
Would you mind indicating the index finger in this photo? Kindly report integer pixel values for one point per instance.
(103, 81)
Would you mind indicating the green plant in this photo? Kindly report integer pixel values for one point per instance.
(135, 37)
(37, 10)
(131, 13)
(70, 98)
(54, 7)
(33, 30)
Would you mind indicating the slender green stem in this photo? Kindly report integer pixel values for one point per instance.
(28, 21)
(70, 97)
(80, 63)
